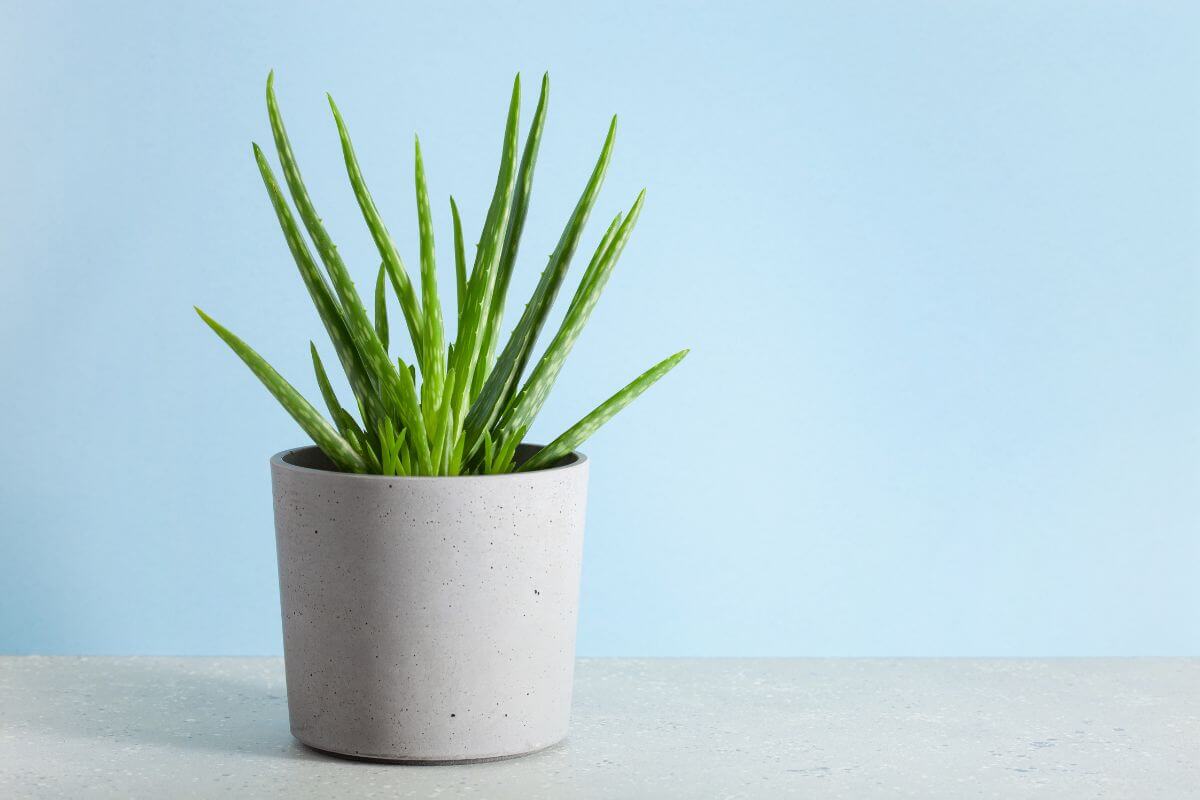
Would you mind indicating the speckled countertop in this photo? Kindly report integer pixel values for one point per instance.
(671, 728)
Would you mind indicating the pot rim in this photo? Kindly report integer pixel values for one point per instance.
(278, 461)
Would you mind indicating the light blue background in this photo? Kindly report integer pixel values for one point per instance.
(936, 262)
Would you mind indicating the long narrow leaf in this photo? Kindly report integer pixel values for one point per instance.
(327, 393)
(327, 306)
(373, 354)
(433, 343)
(346, 425)
(381, 318)
(391, 445)
(501, 384)
(456, 456)
(512, 237)
(460, 263)
(308, 213)
(483, 277)
(310, 420)
(383, 239)
(358, 440)
(489, 452)
(533, 394)
(409, 410)
(438, 436)
(578, 433)
(600, 253)
(504, 458)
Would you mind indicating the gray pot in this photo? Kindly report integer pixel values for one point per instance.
(428, 619)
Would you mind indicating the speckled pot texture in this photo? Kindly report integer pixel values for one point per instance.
(428, 619)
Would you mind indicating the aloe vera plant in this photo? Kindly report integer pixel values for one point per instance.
(458, 408)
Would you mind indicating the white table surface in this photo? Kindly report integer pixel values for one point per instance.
(75, 727)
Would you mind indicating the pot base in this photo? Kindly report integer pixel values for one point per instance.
(424, 762)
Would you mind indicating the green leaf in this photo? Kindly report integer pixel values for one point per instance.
(504, 458)
(381, 320)
(512, 236)
(460, 264)
(383, 239)
(358, 324)
(578, 433)
(310, 420)
(433, 347)
(357, 438)
(331, 401)
(391, 447)
(489, 452)
(483, 277)
(441, 436)
(409, 410)
(501, 384)
(328, 309)
(346, 424)
(533, 394)
(456, 457)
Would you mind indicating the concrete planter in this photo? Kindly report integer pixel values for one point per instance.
(428, 619)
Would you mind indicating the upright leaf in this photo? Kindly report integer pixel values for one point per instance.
(327, 393)
(512, 236)
(460, 264)
(381, 319)
(365, 390)
(441, 435)
(504, 458)
(433, 347)
(502, 382)
(358, 324)
(483, 277)
(383, 239)
(409, 410)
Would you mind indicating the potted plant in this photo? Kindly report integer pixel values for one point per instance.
(428, 558)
